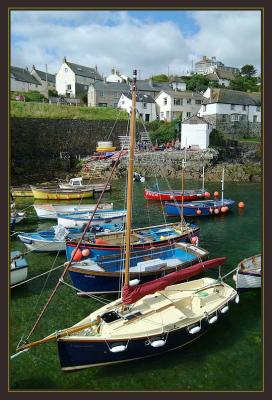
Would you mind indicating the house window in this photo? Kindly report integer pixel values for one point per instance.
(188, 114)
(162, 115)
(144, 105)
(100, 93)
(258, 108)
(189, 101)
(232, 107)
(165, 101)
(66, 69)
(68, 87)
(115, 94)
(198, 101)
(167, 114)
(102, 104)
(178, 102)
(147, 117)
(235, 117)
(204, 108)
(244, 108)
(255, 118)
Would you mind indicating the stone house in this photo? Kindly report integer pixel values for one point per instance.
(73, 80)
(173, 104)
(145, 106)
(208, 65)
(106, 94)
(232, 112)
(195, 131)
(21, 80)
(47, 80)
(222, 77)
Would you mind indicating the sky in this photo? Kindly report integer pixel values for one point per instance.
(154, 42)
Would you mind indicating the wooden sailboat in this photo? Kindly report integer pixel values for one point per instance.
(149, 319)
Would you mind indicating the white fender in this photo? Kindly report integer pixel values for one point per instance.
(213, 319)
(194, 330)
(224, 309)
(118, 349)
(134, 282)
(158, 343)
(237, 299)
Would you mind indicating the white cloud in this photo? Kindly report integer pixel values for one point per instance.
(108, 39)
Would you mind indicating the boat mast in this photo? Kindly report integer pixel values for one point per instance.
(130, 175)
(203, 179)
(222, 181)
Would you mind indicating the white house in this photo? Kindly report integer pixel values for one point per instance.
(177, 83)
(145, 106)
(115, 76)
(232, 111)
(175, 104)
(195, 131)
(21, 80)
(47, 80)
(74, 79)
(222, 77)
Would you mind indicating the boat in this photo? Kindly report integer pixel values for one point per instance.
(77, 183)
(169, 195)
(138, 177)
(104, 274)
(18, 268)
(50, 211)
(249, 273)
(81, 218)
(55, 239)
(148, 319)
(202, 208)
(16, 217)
(21, 191)
(46, 193)
(141, 239)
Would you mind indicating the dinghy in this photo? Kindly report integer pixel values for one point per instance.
(249, 273)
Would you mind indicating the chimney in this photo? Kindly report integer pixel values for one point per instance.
(64, 59)
(112, 71)
(33, 66)
(151, 82)
(95, 67)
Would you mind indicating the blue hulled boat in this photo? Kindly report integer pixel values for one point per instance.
(199, 208)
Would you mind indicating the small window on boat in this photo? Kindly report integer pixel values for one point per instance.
(110, 316)
(132, 315)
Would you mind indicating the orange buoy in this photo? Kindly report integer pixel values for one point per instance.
(223, 209)
(199, 212)
(76, 255)
(101, 241)
(207, 194)
(85, 252)
(241, 204)
(216, 211)
(216, 194)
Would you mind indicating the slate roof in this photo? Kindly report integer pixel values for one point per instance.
(23, 75)
(112, 86)
(195, 120)
(42, 75)
(141, 98)
(183, 95)
(87, 72)
(228, 96)
(225, 74)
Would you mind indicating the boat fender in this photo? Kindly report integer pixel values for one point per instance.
(158, 343)
(118, 349)
(101, 241)
(224, 309)
(194, 330)
(85, 252)
(134, 282)
(213, 319)
(237, 299)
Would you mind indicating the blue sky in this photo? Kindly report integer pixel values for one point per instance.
(152, 41)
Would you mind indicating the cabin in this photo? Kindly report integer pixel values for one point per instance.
(195, 133)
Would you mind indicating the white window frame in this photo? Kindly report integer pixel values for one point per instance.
(236, 117)
(165, 101)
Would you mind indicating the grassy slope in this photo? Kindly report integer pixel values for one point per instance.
(44, 110)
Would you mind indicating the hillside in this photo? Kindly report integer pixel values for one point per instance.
(53, 111)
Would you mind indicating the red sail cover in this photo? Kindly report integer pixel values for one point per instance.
(130, 294)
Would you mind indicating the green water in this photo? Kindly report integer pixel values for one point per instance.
(229, 357)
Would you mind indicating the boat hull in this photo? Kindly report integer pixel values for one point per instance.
(74, 355)
(49, 211)
(64, 194)
(18, 268)
(175, 195)
(197, 209)
(39, 245)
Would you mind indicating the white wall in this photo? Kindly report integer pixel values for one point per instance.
(195, 134)
(150, 109)
(114, 78)
(64, 78)
(170, 110)
(221, 108)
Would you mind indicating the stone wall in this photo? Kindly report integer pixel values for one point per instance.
(36, 144)
(235, 129)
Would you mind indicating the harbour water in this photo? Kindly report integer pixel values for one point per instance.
(229, 357)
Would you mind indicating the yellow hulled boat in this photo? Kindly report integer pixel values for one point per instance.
(61, 194)
(21, 192)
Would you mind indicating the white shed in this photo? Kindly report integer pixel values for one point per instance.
(195, 131)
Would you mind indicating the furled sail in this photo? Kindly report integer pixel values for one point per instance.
(130, 294)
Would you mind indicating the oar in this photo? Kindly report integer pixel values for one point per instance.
(54, 336)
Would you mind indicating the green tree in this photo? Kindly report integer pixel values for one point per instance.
(160, 78)
(197, 83)
(163, 132)
(52, 93)
(248, 70)
(245, 83)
